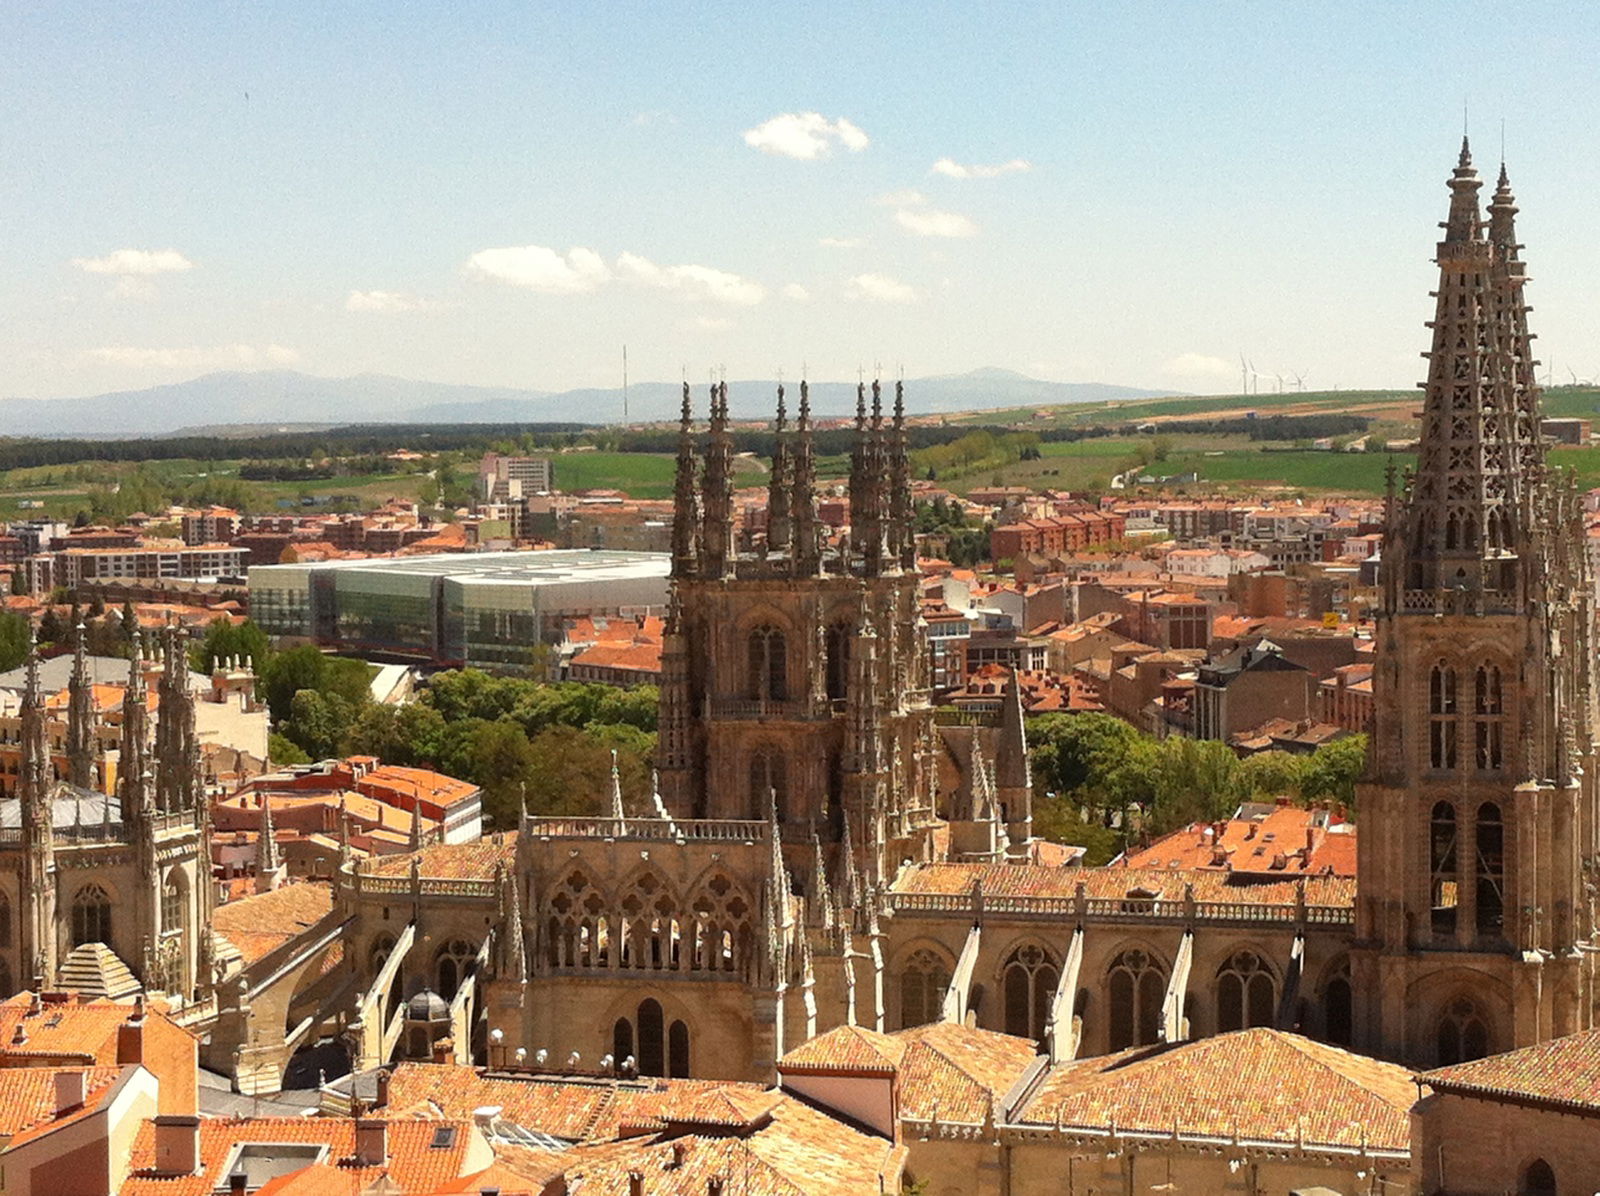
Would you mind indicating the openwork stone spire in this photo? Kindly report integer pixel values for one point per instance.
(685, 502)
(803, 501)
(1463, 525)
(778, 486)
(716, 548)
(80, 717)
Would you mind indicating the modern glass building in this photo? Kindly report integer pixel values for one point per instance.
(490, 610)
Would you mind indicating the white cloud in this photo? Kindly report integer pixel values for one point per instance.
(1199, 365)
(195, 358)
(388, 302)
(930, 222)
(541, 269)
(697, 282)
(135, 262)
(796, 292)
(879, 288)
(805, 135)
(901, 199)
(950, 168)
(841, 242)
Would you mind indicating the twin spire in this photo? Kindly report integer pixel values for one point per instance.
(881, 537)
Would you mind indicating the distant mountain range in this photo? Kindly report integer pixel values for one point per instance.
(283, 398)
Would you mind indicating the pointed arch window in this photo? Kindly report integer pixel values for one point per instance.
(1137, 985)
(1338, 1022)
(769, 781)
(1029, 985)
(382, 948)
(1247, 996)
(678, 1051)
(1462, 1033)
(172, 902)
(1490, 894)
(652, 1054)
(768, 664)
(1538, 1179)
(1488, 718)
(923, 984)
(91, 916)
(622, 1044)
(840, 636)
(1442, 872)
(452, 965)
(1442, 717)
(5, 921)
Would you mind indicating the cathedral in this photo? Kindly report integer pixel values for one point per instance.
(824, 850)
(105, 882)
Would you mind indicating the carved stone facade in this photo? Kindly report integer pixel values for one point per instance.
(1478, 843)
(130, 870)
(821, 852)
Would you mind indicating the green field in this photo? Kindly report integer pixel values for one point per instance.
(640, 475)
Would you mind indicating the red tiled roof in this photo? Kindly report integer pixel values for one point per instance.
(1563, 1072)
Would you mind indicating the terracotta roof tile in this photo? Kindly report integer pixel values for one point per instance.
(28, 1099)
(261, 923)
(960, 1069)
(847, 1049)
(454, 861)
(1267, 1083)
(1563, 1071)
(1031, 880)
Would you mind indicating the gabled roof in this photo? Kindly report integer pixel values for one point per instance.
(28, 1100)
(959, 1071)
(1563, 1072)
(1261, 1083)
(846, 1049)
(260, 924)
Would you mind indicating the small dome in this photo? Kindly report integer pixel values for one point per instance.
(427, 1006)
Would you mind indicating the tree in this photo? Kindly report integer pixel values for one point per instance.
(224, 640)
(13, 640)
(283, 751)
(1274, 774)
(1334, 768)
(1071, 751)
(502, 760)
(318, 722)
(50, 629)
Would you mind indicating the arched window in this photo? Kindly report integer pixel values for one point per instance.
(1462, 1034)
(1338, 1022)
(1137, 986)
(923, 984)
(451, 966)
(1491, 899)
(769, 781)
(1442, 867)
(1030, 983)
(1246, 993)
(1442, 717)
(1538, 1179)
(768, 665)
(172, 893)
(622, 1042)
(1488, 718)
(839, 638)
(91, 916)
(652, 1058)
(382, 948)
(678, 1051)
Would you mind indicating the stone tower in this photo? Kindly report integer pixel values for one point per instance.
(1478, 810)
(792, 673)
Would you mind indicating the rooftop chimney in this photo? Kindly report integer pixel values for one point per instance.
(635, 1183)
(238, 1183)
(381, 1097)
(177, 1144)
(372, 1142)
(71, 1087)
(130, 1036)
(714, 1186)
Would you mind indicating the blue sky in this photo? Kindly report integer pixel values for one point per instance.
(506, 194)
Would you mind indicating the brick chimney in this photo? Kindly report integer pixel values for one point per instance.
(130, 1035)
(635, 1183)
(380, 1098)
(372, 1141)
(71, 1087)
(177, 1144)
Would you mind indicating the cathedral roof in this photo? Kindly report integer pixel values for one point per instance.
(1032, 880)
(577, 1109)
(69, 806)
(959, 1072)
(846, 1049)
(1563, 1072)
(1261, 1084)
(453, 861)
(260, 924)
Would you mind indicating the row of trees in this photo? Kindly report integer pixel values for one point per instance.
(1098, 781)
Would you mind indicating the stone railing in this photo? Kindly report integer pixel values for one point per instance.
(1120, 909)
(366, 884)
(760, 709)
(672, 830)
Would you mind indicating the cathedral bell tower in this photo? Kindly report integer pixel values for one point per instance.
(1478, 808)
(793, 676)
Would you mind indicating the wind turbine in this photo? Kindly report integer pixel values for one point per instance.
(1300, 381)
